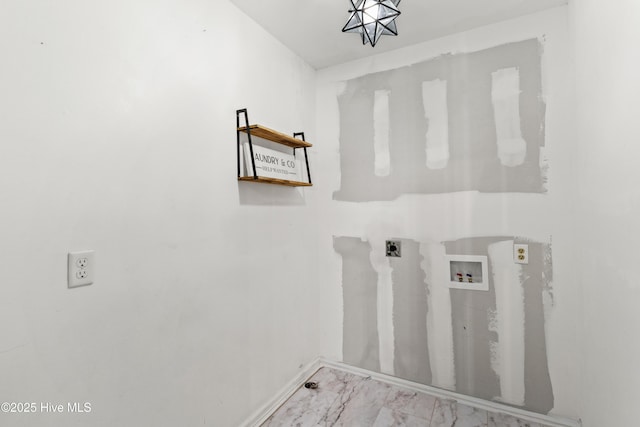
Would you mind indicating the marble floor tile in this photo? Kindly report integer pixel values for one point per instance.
(308, 407)
(503, 420)
(411, 403)
(305, 408)
(348, 400)
(334, 380)
(359, 404)
(388, 417)
(449, 413)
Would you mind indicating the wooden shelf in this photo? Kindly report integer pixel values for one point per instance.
(268, 158)
(266, 180)
(275, 136)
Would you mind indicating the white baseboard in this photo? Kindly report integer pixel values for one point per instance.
(262, 414)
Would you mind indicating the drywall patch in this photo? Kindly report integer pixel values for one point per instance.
(536, 279)
(409, 314)
(381, 133)
(508, 322)
(439, 325)
(381, 266)
(480, 356)
(474, 163)
(490, 345)
(472, 335)
(547, 278)
(505, 95)
(434, 100)
(359, 290)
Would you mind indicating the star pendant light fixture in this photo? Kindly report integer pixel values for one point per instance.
(372, 18)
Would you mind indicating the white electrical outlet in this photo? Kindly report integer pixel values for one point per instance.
(80, 268)
(521, 254)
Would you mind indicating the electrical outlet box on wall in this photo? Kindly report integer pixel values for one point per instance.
(521, 253)
(469, 272)
(393, 248)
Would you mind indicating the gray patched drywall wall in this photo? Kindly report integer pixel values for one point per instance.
(458, 122)
(360, 344)
(411, 355)
(499, 342)
(472, 336)
(537, 380)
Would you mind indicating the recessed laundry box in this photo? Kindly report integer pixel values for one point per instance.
(468, 272)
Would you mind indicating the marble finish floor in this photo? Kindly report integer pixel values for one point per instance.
(344, 399)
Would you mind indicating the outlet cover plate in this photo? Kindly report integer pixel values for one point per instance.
(80, 268)
(520, 253)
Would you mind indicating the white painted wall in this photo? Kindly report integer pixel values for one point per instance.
(431, 219)
(117, 134)
(606, 37)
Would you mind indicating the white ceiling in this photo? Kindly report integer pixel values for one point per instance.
(312, 28)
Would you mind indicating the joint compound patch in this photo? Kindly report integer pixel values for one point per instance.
(459, 122)
(402, 319)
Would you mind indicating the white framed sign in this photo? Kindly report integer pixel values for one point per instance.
(271, 163)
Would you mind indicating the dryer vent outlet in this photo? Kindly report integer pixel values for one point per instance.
(394, 248)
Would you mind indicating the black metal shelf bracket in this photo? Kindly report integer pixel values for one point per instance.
(306, 158)
(246, 123)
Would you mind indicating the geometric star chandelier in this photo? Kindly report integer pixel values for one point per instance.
(372, 19)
